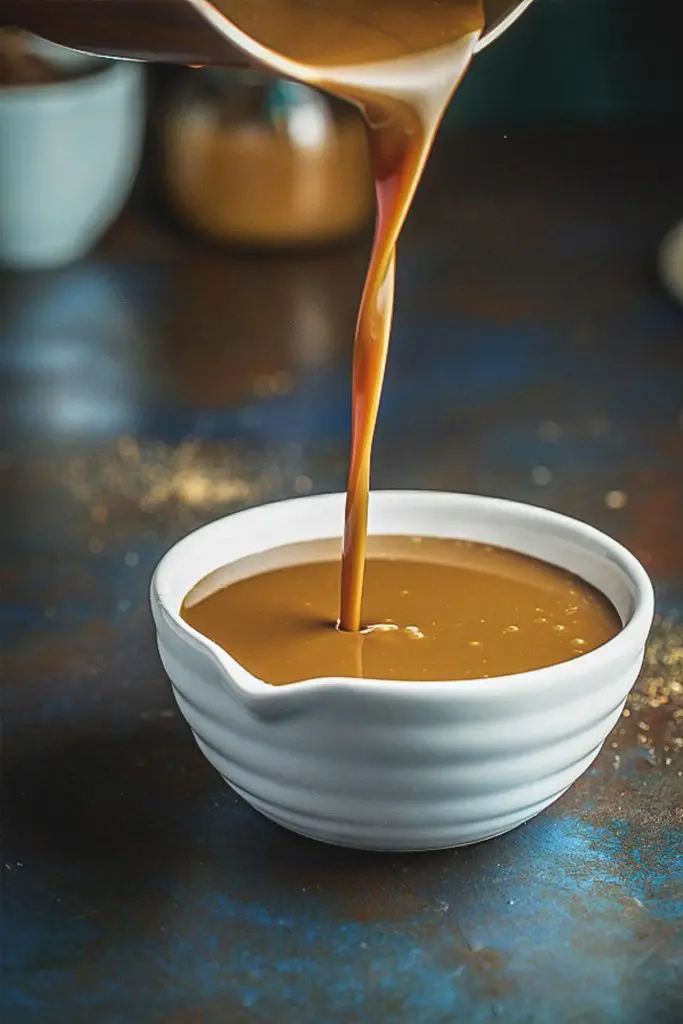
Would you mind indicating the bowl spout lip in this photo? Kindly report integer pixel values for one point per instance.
(312, 516)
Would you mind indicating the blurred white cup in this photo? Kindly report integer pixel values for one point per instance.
(69, 154)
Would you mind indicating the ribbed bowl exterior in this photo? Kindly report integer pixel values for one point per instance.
(401, 766)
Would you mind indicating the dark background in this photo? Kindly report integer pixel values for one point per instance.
(163, 381)
(581, 60)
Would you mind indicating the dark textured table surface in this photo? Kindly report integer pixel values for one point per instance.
(161, 383)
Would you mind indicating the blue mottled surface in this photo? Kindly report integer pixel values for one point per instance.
(531, 332)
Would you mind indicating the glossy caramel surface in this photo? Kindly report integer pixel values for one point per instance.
(433, 609)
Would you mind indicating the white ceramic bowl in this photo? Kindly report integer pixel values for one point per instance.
(69, 155)
(403, 765)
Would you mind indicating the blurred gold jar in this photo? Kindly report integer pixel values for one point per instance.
(259, 161)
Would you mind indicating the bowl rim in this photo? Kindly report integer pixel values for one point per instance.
(632, 635)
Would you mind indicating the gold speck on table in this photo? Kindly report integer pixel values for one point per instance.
(616, 499)
(189, 476)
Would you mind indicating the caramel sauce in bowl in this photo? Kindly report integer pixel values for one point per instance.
(403, 765)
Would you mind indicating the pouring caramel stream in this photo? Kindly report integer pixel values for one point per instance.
(400, 62)
(431, 608)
